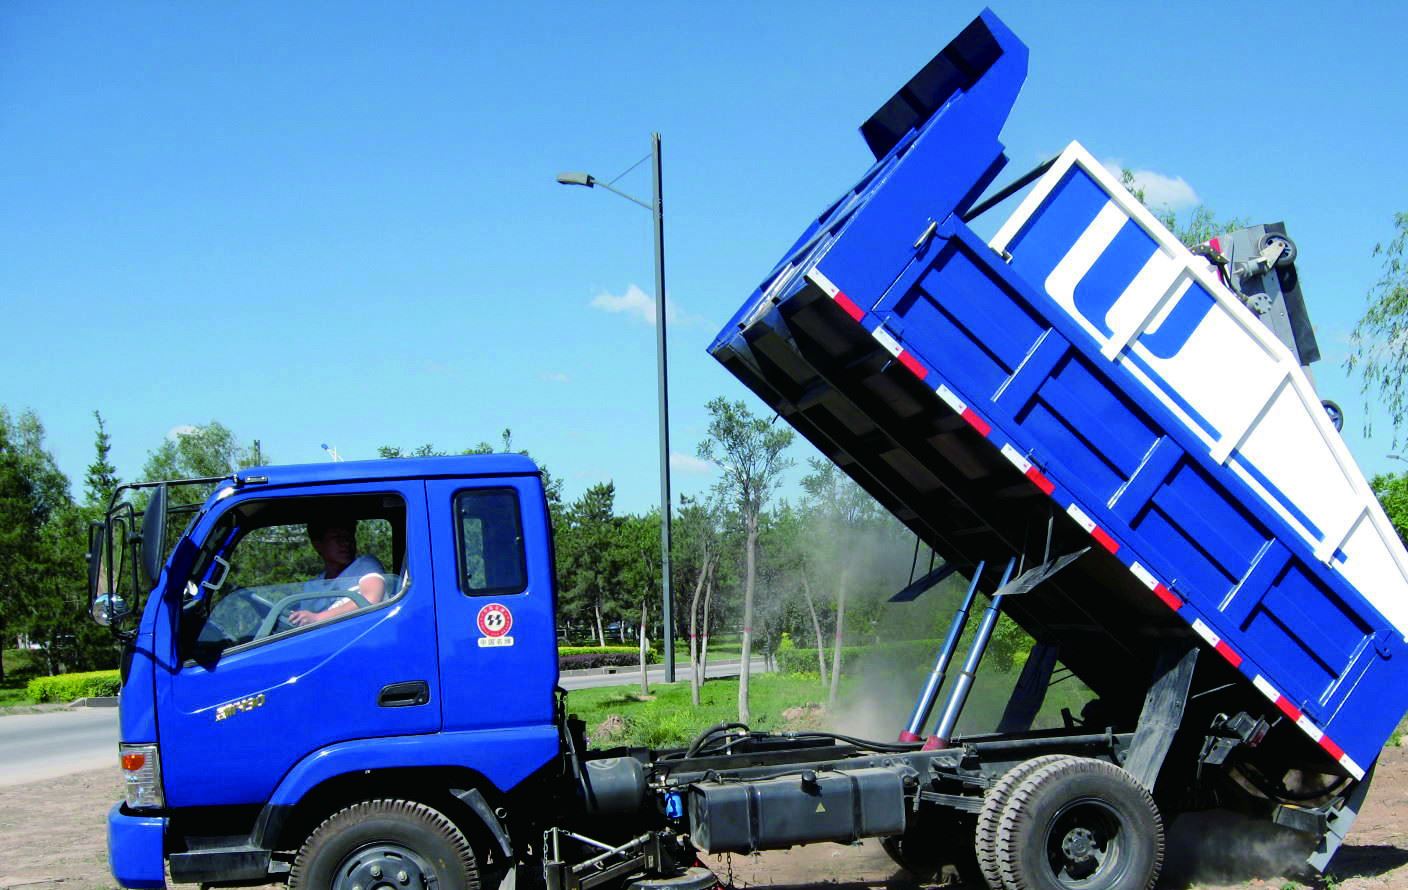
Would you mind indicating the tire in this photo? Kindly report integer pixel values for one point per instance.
(1080, 823)
(929, 843)
(373, 842)
(994, 802)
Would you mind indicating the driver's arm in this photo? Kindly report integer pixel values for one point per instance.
(371, 586)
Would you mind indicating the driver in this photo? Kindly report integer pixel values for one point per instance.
(335, 540)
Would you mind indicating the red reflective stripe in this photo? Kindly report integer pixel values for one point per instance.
(1105, 540)
(913, 365)
(976, 422)
(1287, 708)
(1334, 750)
(849, 307)
(1228, 653)
(1169, 598)
(1046, 485)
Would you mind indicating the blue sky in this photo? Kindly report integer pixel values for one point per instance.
(339, 222)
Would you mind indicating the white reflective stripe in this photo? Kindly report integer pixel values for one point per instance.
(817, 277)
(1016, 458)
(891, 345)
(1354, 769)
(1309, 728)
(1081, 518)
(1266, 688)
(950, 399)
(1144, 575)
(1206, 632)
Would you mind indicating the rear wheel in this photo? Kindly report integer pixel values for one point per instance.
(929, 843)
(1080, 823)
(386, 845)
(994, 801)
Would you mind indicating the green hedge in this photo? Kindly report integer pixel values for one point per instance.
(578, 657)
(597, 650)
(919, 653)
(67, 687)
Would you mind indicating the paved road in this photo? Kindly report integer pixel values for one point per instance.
(56, 743)
(630, 675)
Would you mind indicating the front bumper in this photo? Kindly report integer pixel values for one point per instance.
(135, 848)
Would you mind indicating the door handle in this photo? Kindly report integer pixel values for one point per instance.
(404, 695)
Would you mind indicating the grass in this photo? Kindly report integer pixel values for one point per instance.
(19, 668)
(873, 702)
(668, 718)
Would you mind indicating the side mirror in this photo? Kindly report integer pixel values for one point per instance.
(154, 535)
(109, 609)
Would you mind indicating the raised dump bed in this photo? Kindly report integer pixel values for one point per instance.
(1083, 365)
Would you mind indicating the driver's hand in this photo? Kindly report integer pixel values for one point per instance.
(301, 617)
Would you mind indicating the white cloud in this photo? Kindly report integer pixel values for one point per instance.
(689, 464)
(1172, 192)
(637, 304)
(554, 377)
(182, 429)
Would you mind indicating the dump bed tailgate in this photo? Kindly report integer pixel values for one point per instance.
(1086, 365)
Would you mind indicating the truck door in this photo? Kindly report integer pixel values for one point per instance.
(273, 661)
(494, 602)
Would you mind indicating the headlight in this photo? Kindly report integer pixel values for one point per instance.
(141, 774)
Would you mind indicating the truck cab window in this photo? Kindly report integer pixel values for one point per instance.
(491, 558)
(279, 567)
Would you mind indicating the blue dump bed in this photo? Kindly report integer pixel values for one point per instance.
(1083, 365)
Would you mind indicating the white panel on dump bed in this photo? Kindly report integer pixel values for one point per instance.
(1162, 314)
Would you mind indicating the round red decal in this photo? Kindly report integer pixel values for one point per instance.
(495, 620)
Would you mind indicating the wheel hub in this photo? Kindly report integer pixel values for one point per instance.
(1078, 845)
(383, 867)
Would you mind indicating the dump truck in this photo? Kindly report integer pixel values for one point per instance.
(1114, 440)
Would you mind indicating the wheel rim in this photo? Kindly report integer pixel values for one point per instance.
(384, 867)
(1086, 844)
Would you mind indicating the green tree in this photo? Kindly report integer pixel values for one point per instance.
(751, 453)
(696, 539)
(42, 540)
(636, 558)
(194, 453)
(1392, 491)
(585, 558)
(552, 486)
(784, 545)
(1378, 346)
(101, 480)
(840, 507)
(1200, 226)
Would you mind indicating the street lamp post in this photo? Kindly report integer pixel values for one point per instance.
(657, 211)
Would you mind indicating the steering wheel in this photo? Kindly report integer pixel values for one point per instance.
(273, 618)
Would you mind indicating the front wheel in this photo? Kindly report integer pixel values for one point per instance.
(1080, 823)
(386, 845)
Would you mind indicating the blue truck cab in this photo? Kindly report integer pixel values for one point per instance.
(234, 719)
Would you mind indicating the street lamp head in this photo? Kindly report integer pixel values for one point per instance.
(575, 178)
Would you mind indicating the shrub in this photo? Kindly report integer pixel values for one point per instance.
(573, 658)
(67, 687)
(915, 653)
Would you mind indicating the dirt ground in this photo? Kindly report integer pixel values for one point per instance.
(55, 834)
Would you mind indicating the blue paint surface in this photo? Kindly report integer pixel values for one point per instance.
(989, 330)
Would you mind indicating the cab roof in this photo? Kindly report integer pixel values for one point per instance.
(395, 468)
